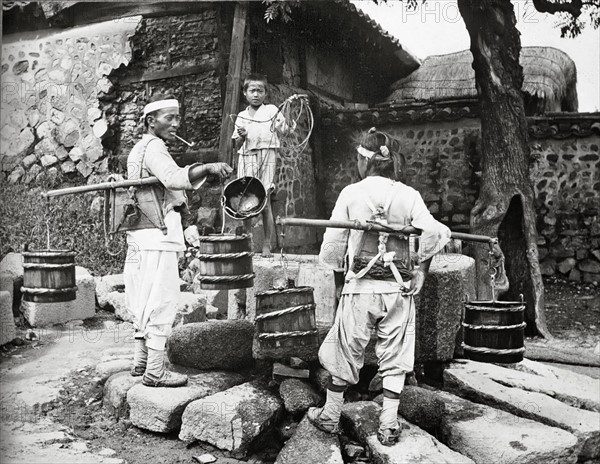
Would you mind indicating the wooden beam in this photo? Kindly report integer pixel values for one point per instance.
(234, 71)
(146, 75)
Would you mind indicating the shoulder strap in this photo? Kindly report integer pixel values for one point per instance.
(144, 156)
(388, 200)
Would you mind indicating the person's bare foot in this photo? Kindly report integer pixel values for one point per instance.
(266, 251)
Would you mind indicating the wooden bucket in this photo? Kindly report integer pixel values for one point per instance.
(225, 262)
(493, 331)
(49, 276)
(286, 324)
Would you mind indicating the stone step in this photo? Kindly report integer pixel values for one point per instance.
(160, 409)
(231, 419)
(532, 405)
(115, 394)
(415, 445)
(310, 445)
(583, 393)
(487, 435)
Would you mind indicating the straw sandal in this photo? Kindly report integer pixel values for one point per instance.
(389, 437)
(167, 379)
(326, 425)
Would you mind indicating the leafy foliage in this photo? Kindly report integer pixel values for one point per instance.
(72, 222)
(571, 26)
(280, 9)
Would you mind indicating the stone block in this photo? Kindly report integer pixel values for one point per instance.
(487, 434)
(118, 302)
(585, 425)
(310, 445)
(115, 394)
(232, 419)
(160, 409)
(415, 445)
(12, 264)
(191, 307)
(7, 323)
(223, 345)
(108, 284)
(421, 407)
(321, 279)
(281, 371)
(298, 396)
(83, 307)
(7, 284)
(106, 369)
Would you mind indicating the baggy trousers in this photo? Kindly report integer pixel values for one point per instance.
(392, 315)
(152, 291)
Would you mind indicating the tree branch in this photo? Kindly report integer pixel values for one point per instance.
(572, 7)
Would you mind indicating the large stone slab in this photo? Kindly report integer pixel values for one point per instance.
(115, 394)
(537, 406)
(310, 445)
(106, 285)
(439, 309)
(223, 345)
(298, 396)
(232, 419)
(486, 435)
(580, 392)
(8, 330)
(160, 409)
(83, 307)
(415, 445)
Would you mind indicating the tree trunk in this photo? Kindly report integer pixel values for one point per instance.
(505, 204)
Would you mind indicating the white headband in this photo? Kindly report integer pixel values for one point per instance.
(364, 152)
(385, 152)
(159, 105)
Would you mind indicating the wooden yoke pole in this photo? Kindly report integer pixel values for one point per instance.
(370, 225)
(234, 71)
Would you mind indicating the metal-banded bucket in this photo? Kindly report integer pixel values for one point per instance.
(493, 331)
(49, 276)
(244, 198)
(225, 262)
(286, 323)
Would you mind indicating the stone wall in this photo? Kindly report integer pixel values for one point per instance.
(443, 163)
(52, 124)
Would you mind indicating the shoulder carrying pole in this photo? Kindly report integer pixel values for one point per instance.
(101, 186)
(374, 226)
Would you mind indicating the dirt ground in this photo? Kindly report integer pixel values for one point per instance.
(573, 312)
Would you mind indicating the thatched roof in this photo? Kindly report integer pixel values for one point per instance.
(549, 82)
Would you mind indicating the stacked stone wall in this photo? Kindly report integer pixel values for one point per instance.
(52, 124)
(443, 163)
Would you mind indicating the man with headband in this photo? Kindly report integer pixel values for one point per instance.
(381, 282)
(151, 268)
